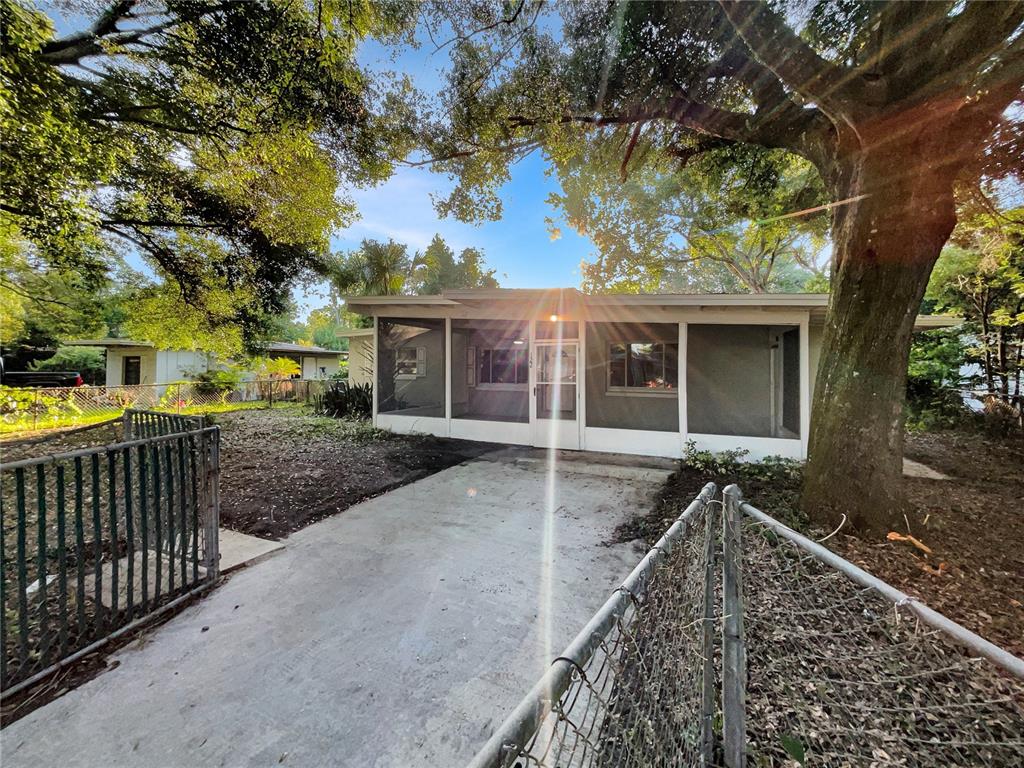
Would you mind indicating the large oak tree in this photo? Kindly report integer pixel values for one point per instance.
(892, 103)
(214, 139)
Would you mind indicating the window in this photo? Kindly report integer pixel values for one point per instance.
(503, 366)
(643, 365)
(410, 362)
(131, 372)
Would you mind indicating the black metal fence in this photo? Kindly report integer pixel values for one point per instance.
(742, 643)
(95, 540)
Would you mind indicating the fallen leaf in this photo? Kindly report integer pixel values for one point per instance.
(893, 536)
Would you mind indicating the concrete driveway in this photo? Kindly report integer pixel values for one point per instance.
(397, 633)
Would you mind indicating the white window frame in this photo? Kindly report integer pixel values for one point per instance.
(634, 391)
(420, 363)
(523, 360)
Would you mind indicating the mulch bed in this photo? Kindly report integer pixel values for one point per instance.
(973, 523)
(282, 470)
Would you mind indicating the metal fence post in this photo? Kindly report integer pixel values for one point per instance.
(707, 752)
(211, 465)
(734, 654)
(126, 424)
(177, 398)
(35, 410)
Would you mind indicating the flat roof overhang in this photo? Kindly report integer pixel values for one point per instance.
(539, 304)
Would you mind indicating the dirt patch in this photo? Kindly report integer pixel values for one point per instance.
(284, 469)
(973, 523)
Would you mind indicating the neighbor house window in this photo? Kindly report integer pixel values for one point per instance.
(132, 370)
(648, 365)
(410, 362)
(503, 366)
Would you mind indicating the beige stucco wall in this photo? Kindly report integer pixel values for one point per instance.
(316, 367)
(147, 364)
(360, 359)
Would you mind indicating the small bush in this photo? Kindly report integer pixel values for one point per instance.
(90, 362)
(217, 382)
(344, 400)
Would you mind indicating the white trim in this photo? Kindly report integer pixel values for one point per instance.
(511, 432)
(568, 434)
(757, 447)
(805, 383)
(640, 442)
(502, 387)
(376, 357)
(581, 385)
(448, 368)
(408, 425)
(683, 371)
(640, 392)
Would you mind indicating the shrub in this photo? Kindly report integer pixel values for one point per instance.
(90, 362)
(219, 382)
(342, 399)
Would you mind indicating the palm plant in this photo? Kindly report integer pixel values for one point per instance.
(376, 269)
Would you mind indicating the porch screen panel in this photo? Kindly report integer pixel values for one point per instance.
(633, 376)
(410, 371)
(743, 380)
(490, 370)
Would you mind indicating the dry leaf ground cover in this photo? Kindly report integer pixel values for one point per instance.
(973, 524)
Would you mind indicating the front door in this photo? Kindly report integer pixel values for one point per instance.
(555, 407)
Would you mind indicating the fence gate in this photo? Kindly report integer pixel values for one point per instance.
(738, 642)
(96, 540)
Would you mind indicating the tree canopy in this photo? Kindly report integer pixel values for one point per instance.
(437, 269)
(384, 269)
(708, 226)
(215, 140)
(893, 104)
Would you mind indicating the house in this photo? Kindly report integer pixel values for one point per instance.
(360, 354)
(141, 362)
(641, 374)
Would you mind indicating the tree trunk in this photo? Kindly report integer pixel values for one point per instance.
(885, 247)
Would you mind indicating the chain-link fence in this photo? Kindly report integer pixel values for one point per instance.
(746, 644)
(42, 408)
(841, 674)
(632, 688)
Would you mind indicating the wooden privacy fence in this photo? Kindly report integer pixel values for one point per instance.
(94, 541)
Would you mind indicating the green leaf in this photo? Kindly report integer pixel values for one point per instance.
(794, 748)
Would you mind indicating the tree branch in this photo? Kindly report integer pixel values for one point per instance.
(782, 51)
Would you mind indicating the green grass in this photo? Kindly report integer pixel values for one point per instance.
(47, 423)
(25, 425)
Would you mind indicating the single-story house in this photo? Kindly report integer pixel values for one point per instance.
(641, 374)
(360, 354)
(141, 362)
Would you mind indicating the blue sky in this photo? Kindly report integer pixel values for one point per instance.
(519, 246)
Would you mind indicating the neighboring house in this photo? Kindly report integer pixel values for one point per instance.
(360, 354)
(140, 362)
(642, 374)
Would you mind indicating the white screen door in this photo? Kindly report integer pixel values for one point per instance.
(555, 404)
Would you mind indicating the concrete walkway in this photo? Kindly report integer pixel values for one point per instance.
(398, 633)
